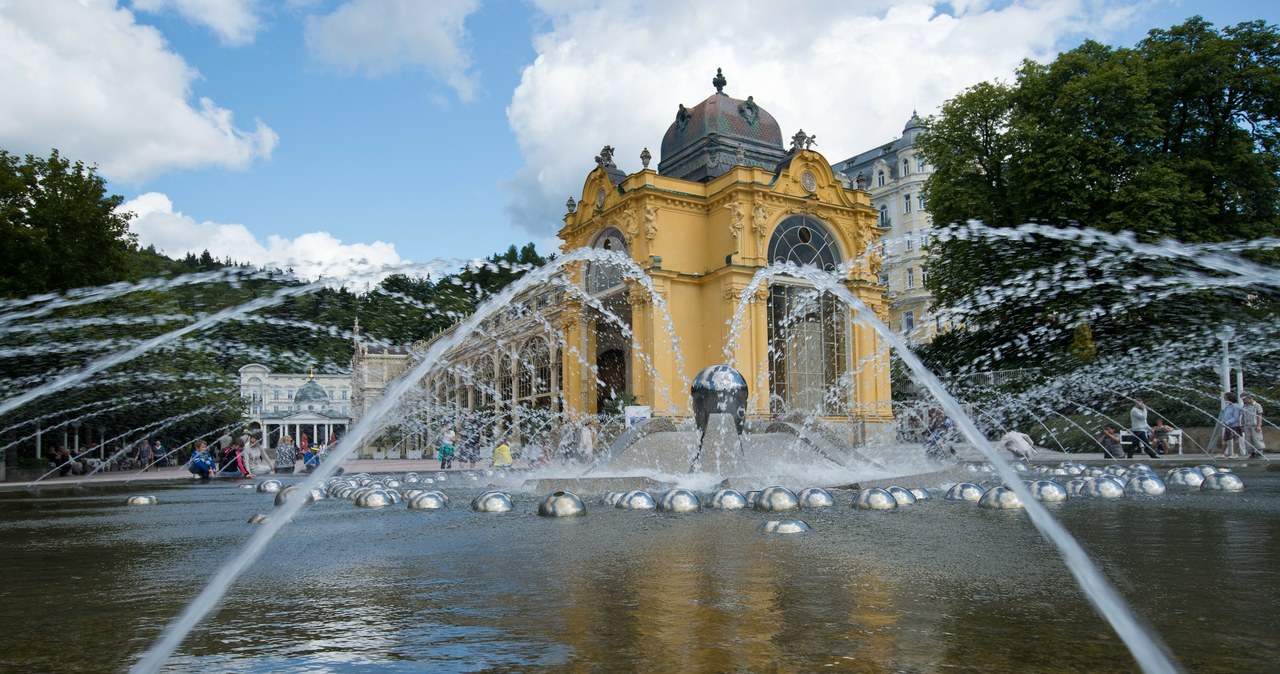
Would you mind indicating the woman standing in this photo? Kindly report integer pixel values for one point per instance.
(286, 455)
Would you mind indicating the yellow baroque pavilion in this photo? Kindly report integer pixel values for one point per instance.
(726, 200)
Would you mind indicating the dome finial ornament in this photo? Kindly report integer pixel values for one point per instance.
(719, 81)
(802, 141)
(605, 158)
(645, 156)
(571, 205)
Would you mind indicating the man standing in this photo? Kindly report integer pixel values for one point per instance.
(1230, 426)
(1251, 426)
(1141, 430)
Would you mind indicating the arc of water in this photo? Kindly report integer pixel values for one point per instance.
(107, 292)
(1213, 418)
(1146, 648)
(215, 590)
(165, 422)
(109, 361)
(166, 454)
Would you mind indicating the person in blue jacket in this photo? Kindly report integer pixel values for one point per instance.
(201, 464)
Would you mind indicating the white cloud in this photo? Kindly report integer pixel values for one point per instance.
(377, 37)
(310, 255)
(85, 78)
(235, 22)
(850, 73)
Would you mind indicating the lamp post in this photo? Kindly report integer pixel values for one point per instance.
(1225, 334)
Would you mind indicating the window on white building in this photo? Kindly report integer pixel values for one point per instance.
(906, 203)
(906, 167)
(911, 277)
(908, 322)
(880, 179)
(924, 276)
(884, 215)
(907, 241)
(920, 202)
(924, 238)
(920, 163)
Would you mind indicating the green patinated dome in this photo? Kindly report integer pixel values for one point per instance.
(311, 393)
(710, 138)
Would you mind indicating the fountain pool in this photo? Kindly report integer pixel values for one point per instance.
(90, 582)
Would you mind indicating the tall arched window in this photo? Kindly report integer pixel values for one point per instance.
(603, 276)
(506, 379)
(808, 331)
(880, 178)
(485, 385)
(804, 240)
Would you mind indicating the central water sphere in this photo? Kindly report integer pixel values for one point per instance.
(719, 389)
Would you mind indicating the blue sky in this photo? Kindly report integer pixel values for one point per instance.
(334, 135)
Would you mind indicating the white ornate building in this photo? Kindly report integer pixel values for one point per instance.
(894, 174)
(316, 404)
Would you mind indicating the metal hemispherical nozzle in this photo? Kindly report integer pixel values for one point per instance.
(428, 500)
(636, 500)
(875, 498)
(921, 494)
(392, 483)
(270, 486)
(375, 498)
(902, 495)
(1075, 488)
(1144, 484)
(141, 500)
(965, 491)
(1221, 481)
(752, 496)
(562, 504)
(1048, 491)
(784, 527)
(1103, 486)
(815, 497)
(491, 502)
(777, 499)
(728, 499)
(1000, 498)
(1206, 470)
(1187, 478)
(247, 486)
(292, 491)
(679, 501)
(259, 519)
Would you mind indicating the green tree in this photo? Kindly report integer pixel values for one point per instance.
(1173, 138)
(59, 229)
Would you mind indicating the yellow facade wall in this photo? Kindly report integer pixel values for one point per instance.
(701, 244)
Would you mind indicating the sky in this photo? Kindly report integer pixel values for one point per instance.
(336, 137)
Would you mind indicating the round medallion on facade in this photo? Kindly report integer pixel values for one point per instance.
(808, 182)
(600, 198)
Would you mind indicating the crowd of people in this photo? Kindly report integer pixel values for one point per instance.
(578, 442)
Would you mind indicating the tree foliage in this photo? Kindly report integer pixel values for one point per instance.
(1175, 138)
(59, 229)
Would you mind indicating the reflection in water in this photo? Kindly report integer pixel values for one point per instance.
(937, 586)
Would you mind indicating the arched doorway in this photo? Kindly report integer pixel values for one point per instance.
(611, 368)
(808, 331)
